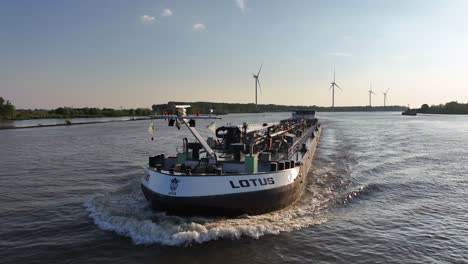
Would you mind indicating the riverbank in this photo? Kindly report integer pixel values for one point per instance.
(66, 122)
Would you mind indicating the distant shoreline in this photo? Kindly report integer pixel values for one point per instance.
(122, 120)
(196, 107)
(146, 118)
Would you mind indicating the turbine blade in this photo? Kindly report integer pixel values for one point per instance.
(387, 90)
(331, 86)
(338, 87)
(259, 87)
(259, 70)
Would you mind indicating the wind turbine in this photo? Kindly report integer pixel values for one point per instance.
(370, 95)
(385, 97)
(332, 87)
(257, 82)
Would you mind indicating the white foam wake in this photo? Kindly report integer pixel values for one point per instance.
(126, 212)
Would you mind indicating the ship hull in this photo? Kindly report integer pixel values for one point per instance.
(252, 203)
(227, 195)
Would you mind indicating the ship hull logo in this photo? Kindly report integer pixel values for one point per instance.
(174, 185)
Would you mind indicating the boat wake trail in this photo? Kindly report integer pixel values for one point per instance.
(358, 192)
(126, 212)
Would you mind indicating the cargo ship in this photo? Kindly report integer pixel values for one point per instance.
(247, 169)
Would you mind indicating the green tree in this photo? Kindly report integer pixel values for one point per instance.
(424, 108)
(7, 109)
(60, 111)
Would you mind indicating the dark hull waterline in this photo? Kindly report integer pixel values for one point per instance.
(252, 203)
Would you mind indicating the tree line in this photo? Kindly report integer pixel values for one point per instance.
(230, 108)
(448, 108)
(8, 111)
(85, 112)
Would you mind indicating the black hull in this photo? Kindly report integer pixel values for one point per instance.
(252, 203)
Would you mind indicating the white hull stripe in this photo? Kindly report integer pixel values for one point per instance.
(189, 186)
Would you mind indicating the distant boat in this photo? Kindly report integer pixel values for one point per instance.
(410, 112)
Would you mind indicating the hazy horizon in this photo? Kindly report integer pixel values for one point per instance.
(117, 53)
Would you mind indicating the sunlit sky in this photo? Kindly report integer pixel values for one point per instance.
(129, 53)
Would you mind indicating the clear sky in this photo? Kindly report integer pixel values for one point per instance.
(129, 53)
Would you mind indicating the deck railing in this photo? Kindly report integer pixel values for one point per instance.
(298, 144)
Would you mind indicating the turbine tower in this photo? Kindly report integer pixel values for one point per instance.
(370, 96)
(385, 97)
(332, 87)
(257, 82)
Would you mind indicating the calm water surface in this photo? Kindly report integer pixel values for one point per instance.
(385, 188)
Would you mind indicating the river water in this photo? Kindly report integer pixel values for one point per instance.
(385, 188)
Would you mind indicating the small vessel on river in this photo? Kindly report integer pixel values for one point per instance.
(248, 169)
(410, 112)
